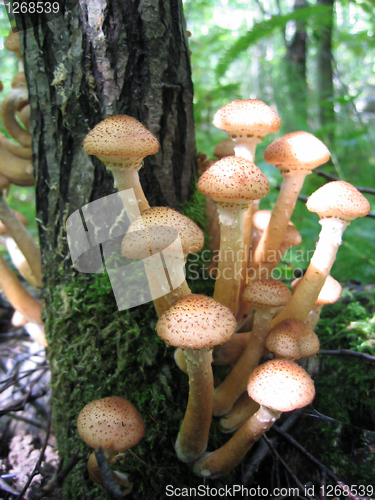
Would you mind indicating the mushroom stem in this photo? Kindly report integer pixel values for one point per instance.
(17, 295)
(308, 290)
(242, 410)
(193, 435)
(273, 235)
(233, 254)
(127, 177)
(18, 170)
(224, 459)
(235, 383)
(245, 147)
(23, 238)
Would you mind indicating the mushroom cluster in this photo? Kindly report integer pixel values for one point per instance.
(16, 168)
(204, 330)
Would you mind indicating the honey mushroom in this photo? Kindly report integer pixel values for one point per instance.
(233, 183)
(196, 324)
(296, 155)
(337, 204)
(114, 424)
(121, 143)
(265, 295)
(277, 386)
(154, 231)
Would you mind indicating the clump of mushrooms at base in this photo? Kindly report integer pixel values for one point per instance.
(203, 329)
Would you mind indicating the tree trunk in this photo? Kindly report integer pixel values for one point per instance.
(101, 58)
(325, 76)
(296, 56)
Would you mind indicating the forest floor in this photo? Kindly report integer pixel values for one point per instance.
(330, 444)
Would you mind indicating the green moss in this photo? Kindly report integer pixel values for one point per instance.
(97, 351)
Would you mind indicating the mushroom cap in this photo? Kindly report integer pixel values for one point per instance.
(281, 385)
(297, 151)
(267, 293)
(120, 137)
(224, 148)
(251, 117)
(338, 199)
(292, 339)
(234, 180)
(196, 322)
(12, 43)
(112, 423)
(20, 217)
(329, 294)
(162, 223)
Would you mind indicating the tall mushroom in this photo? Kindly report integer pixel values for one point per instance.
(196, 323)
(337, 204)
(278, 386)
(247, 122)
(265, 295)
(121, 143)
(114, 424)
(296, 155)
(233, 183)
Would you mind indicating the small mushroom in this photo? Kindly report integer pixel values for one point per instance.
(277, 386)
(291, 339)
(196, 324)
(112, 423)
(154, 231)
(296, 155)
(337, 204)
(233, 183)
(247, 122)
(121, 143)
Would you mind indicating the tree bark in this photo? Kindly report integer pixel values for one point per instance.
(101, 58)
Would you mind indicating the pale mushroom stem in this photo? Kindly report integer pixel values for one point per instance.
(245, 147)
(126, 177)
(273, 235)
(23, 238)
(223, 460)
(308, 290)
(14, 101)
(233, 254)
(242, 410)
(236, 381)
(17, 295)
(193, 435)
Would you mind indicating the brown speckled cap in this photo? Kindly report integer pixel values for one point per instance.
(137, 242)
(119, 137)
(234, 180)
(338, 199)
(196, 322)
(267, 292)
(112, 423)
(281, 385)
(292, 339)
(297, 151)
(247, 118)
